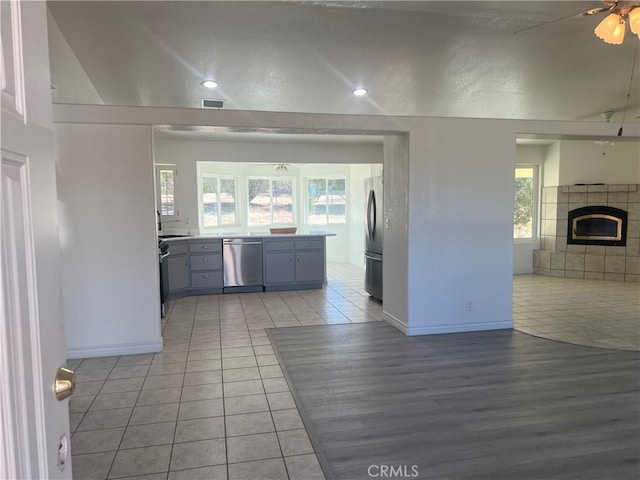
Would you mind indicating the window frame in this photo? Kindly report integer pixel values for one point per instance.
(306, 199)
(535, 216)
(176, 206)
(271, 180)
(218, 204)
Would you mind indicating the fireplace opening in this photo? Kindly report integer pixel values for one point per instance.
(597, 225)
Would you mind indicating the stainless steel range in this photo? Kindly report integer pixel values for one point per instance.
(163, 253)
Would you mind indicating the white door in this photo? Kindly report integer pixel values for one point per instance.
(34, 426)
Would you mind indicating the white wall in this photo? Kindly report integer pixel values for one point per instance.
(237, 158)
(107, 234)
(523, 248)
(461, 192)
(71, 81)
(395, 253)
(590, 162)
(448, 247)
(585, 161)
(551, 176)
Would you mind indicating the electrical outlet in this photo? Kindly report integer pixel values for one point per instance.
(468, 306)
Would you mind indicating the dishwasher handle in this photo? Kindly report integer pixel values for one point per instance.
(235, 242)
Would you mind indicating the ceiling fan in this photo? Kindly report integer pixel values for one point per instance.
(278, 167)
(612, 28)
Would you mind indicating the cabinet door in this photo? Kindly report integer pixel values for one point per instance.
(178, 273)
(309, 266)
(279, 268)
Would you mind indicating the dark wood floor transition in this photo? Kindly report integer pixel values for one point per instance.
(491, 405)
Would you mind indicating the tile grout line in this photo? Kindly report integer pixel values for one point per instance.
(251, 321)
(127, 425)
(224, 406)
(184, 374)
(275, 430)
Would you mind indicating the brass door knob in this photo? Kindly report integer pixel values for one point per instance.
(65, 383)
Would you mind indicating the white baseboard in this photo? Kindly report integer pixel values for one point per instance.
(113, 350)
(459, 328)
(436, 329)
(395, 322)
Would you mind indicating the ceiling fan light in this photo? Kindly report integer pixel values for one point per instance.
(634, 20)
(611, 29)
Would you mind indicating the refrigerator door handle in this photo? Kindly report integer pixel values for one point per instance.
(374, 214)
(371, 215)
(375, 259)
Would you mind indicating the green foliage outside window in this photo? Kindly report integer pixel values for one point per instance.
(326, 201)
(524, 201)
(523, 212)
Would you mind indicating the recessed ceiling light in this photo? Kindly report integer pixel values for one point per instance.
(360, 91)
(209, 84)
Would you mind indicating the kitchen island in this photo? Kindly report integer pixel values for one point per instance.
(202, 264)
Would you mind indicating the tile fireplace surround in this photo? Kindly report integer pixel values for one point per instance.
(591, 262)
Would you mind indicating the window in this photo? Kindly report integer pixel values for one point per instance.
(218, 201)
(166, 191)
(525, 217)
(326, 201)
(270, 201)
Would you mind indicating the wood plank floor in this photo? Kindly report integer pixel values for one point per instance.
(488, 405)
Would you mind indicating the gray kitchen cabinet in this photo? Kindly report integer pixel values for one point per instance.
(309, 266)
(279, 268)
(178, 267)
(195, 265)
(294, 264)
(205, 258)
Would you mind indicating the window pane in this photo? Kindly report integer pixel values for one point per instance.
(259, 202)
(316, 209)
(210, 201)
(228, 201)
(337, 200)
(282, 198)
(167, 190)
(523, 211)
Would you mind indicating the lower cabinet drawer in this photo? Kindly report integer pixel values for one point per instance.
(177, 249)
(275, 245)
(308, 244)
(206, 262)
(205, 247)
(206, 280)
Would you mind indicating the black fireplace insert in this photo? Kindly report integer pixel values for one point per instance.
(597, 225)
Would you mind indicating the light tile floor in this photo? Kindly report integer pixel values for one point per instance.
(584, 312)
(214, 404)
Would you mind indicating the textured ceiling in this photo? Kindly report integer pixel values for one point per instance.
(458, 59)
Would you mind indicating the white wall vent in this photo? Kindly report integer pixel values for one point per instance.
(212, 103)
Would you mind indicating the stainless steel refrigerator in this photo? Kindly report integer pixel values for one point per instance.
(374, 225)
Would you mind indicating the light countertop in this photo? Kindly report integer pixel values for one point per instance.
(253, 235)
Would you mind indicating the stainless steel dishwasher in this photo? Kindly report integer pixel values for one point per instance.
(242, 258)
